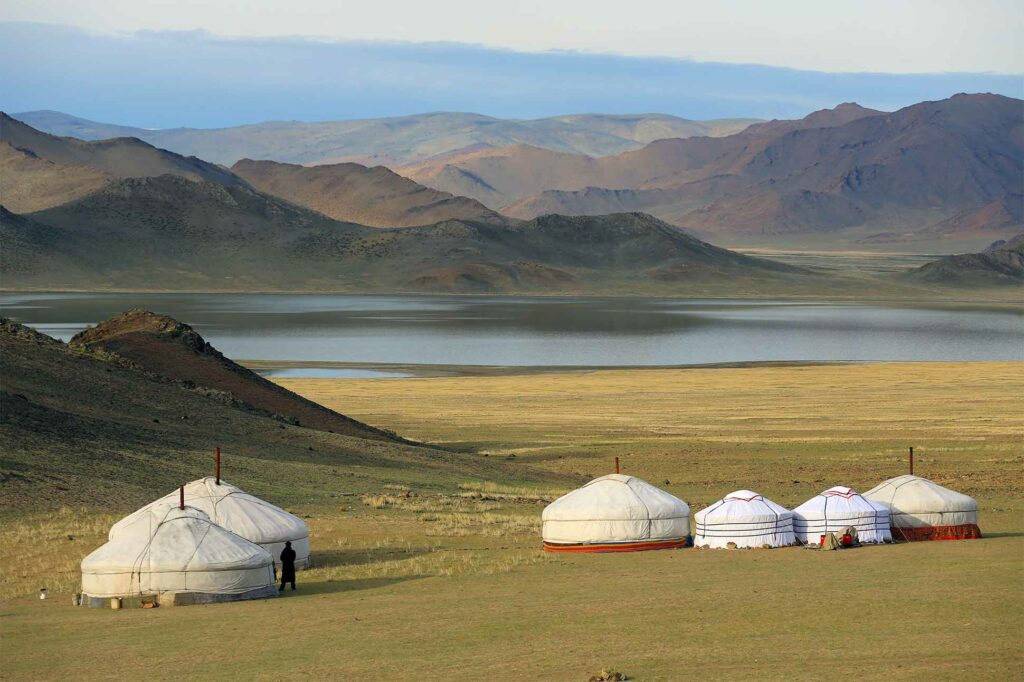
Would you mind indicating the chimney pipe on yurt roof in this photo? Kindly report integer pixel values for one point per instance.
(911, 460)
(616, 465)
(218, 466)
(181, 497)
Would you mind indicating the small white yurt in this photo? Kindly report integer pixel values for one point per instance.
(254, 519)
(615, 513)
(169, 551)
(744, 519)
(920, 509)
(837, 508)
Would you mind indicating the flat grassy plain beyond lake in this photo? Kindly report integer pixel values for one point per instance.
(448, 582)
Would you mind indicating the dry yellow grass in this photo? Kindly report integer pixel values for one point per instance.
(437, 579)
(784, 430)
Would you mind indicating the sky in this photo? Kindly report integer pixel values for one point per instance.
(196, 63)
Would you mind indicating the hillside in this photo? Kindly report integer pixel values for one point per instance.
(398, 140)
(168, 348)
(950, 169)
(1000, 265)
(169, 233)
(350, 192)
(42, 170)
(84, 428)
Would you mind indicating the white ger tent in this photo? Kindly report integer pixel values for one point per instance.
(744, 519)
(254, 519)
(920, 509)
(615, 513)
(836, 509)
(167, 550)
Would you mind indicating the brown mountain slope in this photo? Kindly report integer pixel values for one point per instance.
(30, 183)
(501, 177)
(41, 170)
(376, 196)
(168, 348)
(848, 172)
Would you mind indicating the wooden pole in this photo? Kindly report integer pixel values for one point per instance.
(181, 497)
(218, 466)
(911, 460)
(616, 465)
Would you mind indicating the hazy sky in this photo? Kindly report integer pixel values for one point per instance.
(211, 64)
(886, 36)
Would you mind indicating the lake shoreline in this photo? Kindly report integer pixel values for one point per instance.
(435, 371)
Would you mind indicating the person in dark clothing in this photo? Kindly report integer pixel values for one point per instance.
(287, 566)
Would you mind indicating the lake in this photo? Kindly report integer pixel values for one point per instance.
(525, 331)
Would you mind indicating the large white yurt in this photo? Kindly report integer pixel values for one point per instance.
(743, 519)
(920, 509)
(169, 551)
(254, 519)
(838, 508)
(615, 513)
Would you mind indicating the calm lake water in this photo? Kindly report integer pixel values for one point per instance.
(544, 331)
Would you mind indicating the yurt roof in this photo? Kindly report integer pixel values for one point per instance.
(616, 496)
(743, 504)
(913, 494)
(233, 508)
(841, 497)
(167, 539)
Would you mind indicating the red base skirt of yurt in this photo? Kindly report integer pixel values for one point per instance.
(616, 546)
(966, 531)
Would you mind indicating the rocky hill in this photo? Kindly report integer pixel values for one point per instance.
(82, 427)
(1000, 265)
(168, 348)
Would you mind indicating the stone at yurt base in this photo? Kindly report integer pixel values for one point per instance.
(615, 513)
(837, 508)
(920, 509)
(743, 520)
(167, 553)
(254, 519)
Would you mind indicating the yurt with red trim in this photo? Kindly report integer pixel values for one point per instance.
(615, 513)
(920, 509)
(837, 509)
(743, 519)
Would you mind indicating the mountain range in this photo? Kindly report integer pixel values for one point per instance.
(122, 214)
(935, 170)
(398, 140)
(169, 232)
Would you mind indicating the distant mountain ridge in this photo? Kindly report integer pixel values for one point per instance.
(398, 140)
(40, 171)
(852, 172)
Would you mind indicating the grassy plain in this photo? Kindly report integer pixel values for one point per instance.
(437, 580)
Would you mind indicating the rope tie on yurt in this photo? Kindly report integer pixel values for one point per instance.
(775, 528)
(646, 508)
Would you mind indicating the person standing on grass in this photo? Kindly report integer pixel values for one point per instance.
(287, 566)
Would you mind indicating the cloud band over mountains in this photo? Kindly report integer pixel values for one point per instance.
(168, 79)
